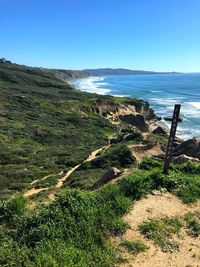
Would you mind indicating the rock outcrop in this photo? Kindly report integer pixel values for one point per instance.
(159, 130)
(183, 159)
(108, 176)
(136, 120)
(171, 118)
(190, 148)
(136, 112)
(158, 127)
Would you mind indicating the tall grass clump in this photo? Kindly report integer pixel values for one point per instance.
(12, 209)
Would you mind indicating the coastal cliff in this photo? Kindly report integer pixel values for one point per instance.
(48, 126)
(80, 173)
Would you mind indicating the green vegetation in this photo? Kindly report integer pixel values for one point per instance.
(84, 178)
(12, 209)
(189, 191)
(189, 167)
(74, 229)
(180, 181)
(88, 173)
(46, 126)
(161, 231)
(134, 247)
(69, 232)
(150, 163)
(193, 224)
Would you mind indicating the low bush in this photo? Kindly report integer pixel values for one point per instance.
(189, 167)
(193, 224)
(134, 247)
(136, 185)
(161, 231)
(189, 191)
(150, 163)
(13, 209)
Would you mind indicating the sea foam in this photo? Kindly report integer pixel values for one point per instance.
(161, 91)
(195, 104)
(92, 85)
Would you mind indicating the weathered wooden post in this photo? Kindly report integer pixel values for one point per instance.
(171, 138)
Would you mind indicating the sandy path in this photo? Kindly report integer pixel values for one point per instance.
(34, 191)
(94, 153)
(159, 207)
(38, 180)
(44, 178)
(90, 157)
(61, 181)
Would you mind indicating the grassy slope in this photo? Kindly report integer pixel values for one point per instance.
(74, 229)
(46, 125)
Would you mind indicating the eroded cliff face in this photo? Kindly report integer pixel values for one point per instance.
(190, 148)
(136, 112)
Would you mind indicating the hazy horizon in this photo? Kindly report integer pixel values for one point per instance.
(34, 66)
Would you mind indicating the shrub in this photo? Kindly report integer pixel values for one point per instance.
(189, 167)
(12, 209)
(113, 198)
(136, 185)
(117, 156)
(118, 227)
(161, 231)
(193, 224)
(150, 163)
(134, 247)
(189, 192)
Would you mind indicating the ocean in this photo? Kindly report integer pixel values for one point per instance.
(162, 91)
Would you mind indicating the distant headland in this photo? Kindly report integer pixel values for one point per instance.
(121, 71)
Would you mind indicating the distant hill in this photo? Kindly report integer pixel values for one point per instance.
(69, 75)
(119, 71)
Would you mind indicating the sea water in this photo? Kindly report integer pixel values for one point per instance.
(162, 91)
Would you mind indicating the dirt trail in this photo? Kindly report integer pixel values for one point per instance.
(61, 181)
(96, 152)
(160, 206)
(90, 157)
(44, 178)
(38, 180)
(34, 191)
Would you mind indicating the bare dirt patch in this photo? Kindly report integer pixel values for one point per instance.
(160, 206)
(140, 151)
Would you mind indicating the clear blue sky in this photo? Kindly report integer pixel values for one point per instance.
(160, 35)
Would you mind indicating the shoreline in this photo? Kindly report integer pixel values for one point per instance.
(161, 102)
(159, 123)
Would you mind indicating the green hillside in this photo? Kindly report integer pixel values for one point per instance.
(45, 125)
